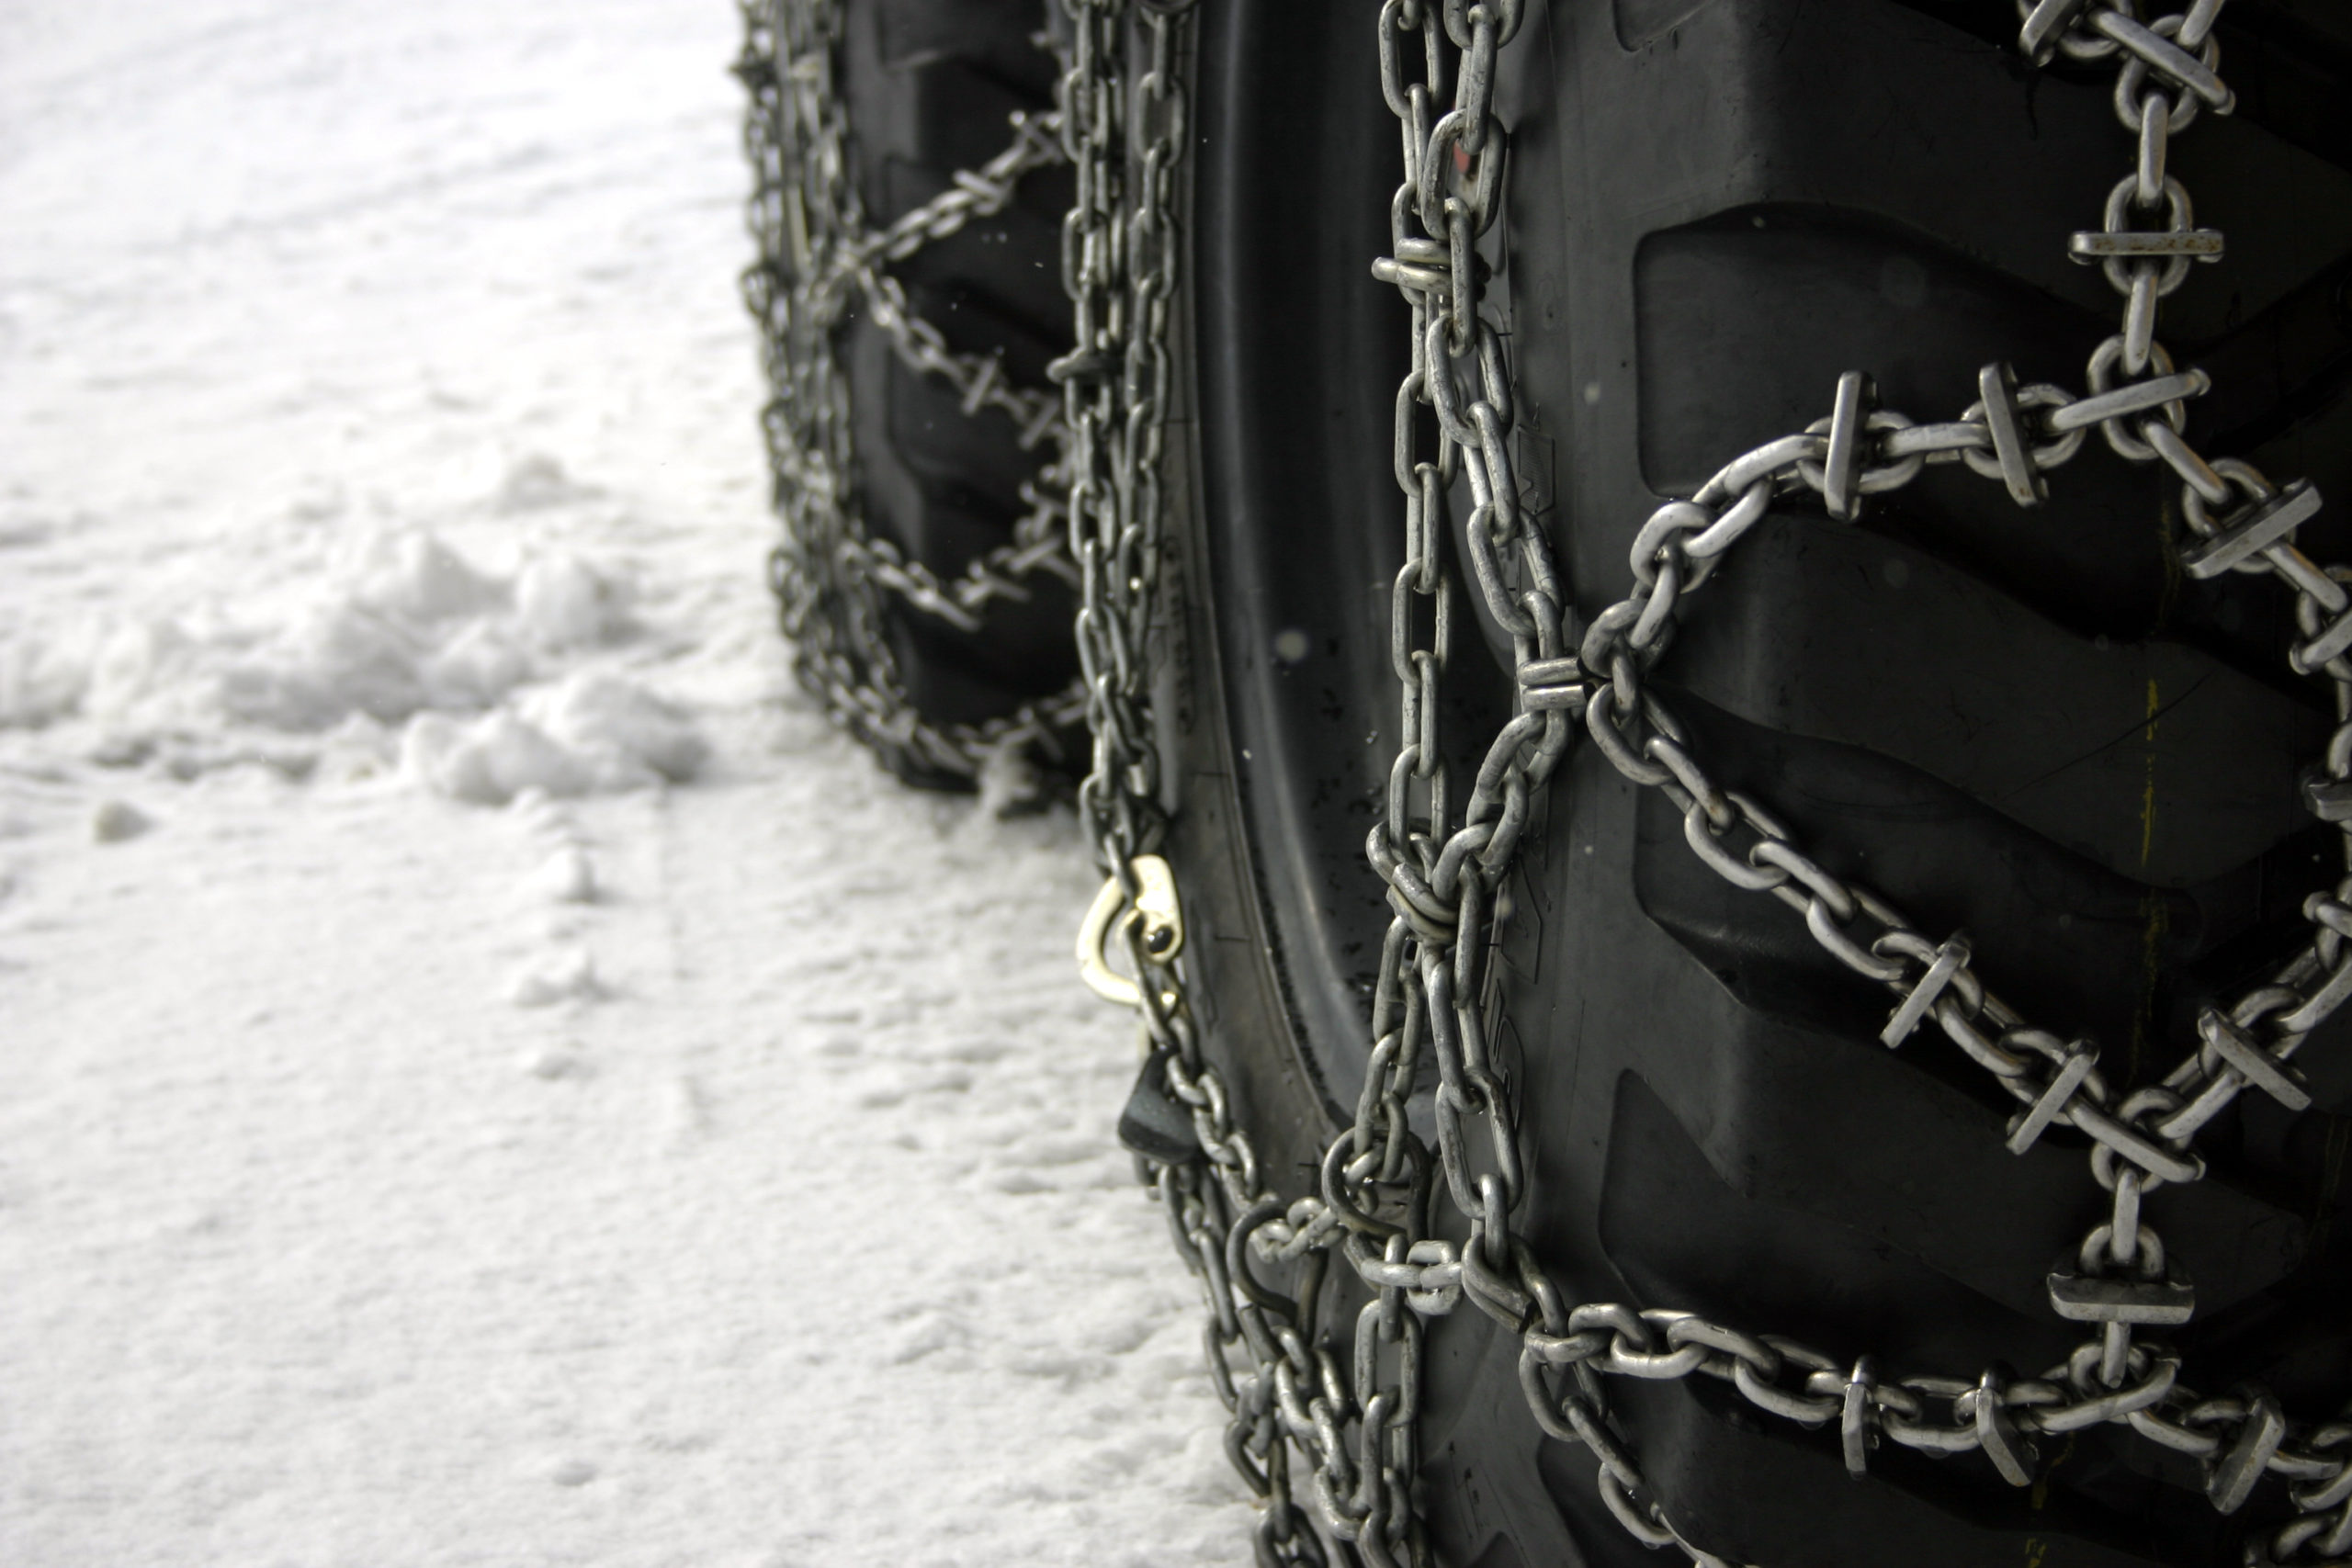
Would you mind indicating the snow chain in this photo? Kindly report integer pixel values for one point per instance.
(819, 266)
(1346, 1413)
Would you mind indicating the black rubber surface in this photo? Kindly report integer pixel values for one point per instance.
(2027, 725)
(928, 85)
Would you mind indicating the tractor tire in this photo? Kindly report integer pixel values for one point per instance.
(2027, 725)
(938, 479)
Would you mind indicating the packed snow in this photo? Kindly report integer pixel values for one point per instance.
(490, 1075)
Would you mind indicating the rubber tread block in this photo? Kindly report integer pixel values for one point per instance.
(2153, 760)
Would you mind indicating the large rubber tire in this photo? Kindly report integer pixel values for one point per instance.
(2027, 724)
(928, 87)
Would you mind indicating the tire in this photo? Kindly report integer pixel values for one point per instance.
(2029, 725)
(936, 479)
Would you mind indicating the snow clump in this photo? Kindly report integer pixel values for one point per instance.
(484, 684)
(592, 734)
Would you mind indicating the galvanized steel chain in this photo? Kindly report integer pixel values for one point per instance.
(2121, 1282)
(1124, 132)
(1435, 998)
(1345, 1415)
(838, 585)
(1445, 857)
(1444, 867)
(1350, 1411)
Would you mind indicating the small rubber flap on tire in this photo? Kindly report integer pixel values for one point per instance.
(1154, 1125)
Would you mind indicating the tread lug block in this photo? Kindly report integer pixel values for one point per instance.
(977, 317)
(991, 36)
(919, 420)
(2155, 760)
(950, 116)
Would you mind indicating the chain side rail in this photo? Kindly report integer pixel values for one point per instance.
(837, 585)
(1294, 1414)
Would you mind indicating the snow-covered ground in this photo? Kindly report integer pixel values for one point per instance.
(486, 1075)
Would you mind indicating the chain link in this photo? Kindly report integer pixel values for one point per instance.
(1348, 1412)
(839, 586)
